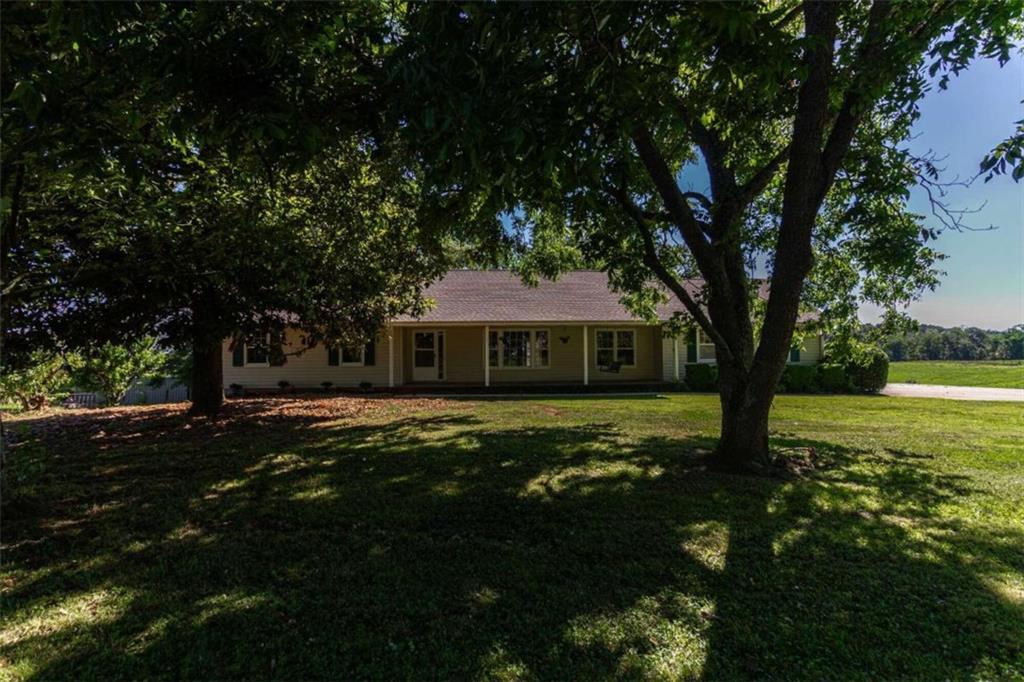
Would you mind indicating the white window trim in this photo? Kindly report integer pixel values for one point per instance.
(534, 354)
(245, 355)
(703, 340)
(615, 343)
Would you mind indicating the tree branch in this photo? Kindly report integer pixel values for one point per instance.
(723, 179)
(672, 197)
(756, 184)
(852, 107)
(653, 262)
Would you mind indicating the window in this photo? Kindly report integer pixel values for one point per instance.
(616, 347)
(352, 355)
(705, 347)
(258, 354)
(625, 354)
(519, 348)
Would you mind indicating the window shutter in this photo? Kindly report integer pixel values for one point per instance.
(332, 357)
(370, 354)
(238, 354)
(794, 354)
(276, 352)
(691, 346)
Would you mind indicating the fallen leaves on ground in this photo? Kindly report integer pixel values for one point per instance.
(117, 425)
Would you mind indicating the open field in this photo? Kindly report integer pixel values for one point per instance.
(555, 538)
(991, 373)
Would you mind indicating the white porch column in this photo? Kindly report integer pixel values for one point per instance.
(675, 358)
(586, 363)
(487, 356)
(391, 357)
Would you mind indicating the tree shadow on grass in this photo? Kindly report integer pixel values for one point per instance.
(447, 545)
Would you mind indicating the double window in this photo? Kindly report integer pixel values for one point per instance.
(616, 347)
(350, 356)
(519, 348)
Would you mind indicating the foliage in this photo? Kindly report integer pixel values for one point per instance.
(457, 517)
(177, 367)
(832, 378)
(701, 377)
(204, 171)
(799, 379)
(44, 379)
(932, 342)
(575, 121)
(113, 369)
(868, 368)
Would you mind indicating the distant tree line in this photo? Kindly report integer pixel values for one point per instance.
(931, 342)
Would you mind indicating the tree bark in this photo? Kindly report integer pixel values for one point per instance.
(743, 445)
(207, 363)
(207, 378)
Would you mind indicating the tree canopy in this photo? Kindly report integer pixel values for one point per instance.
(211, 170)
(200, 172)
(577, 120)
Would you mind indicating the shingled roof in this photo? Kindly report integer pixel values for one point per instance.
(500, 296)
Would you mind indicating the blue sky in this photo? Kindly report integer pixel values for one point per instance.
(984, 281)
(983, 285)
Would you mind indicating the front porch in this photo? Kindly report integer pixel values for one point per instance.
(569, 356)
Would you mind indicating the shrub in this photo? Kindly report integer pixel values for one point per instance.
(237, 389)
(283, 385)
(112, 369)
(326, 385)
(833, 379)
(365, 385)
(799, 379)
(43, 381)
(702, 377)
(868, 368)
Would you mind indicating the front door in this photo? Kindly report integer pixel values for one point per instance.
(427, 356)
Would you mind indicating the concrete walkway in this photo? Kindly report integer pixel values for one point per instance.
(953, 392)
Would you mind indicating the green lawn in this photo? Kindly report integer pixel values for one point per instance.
(556, 538)
(992, 373)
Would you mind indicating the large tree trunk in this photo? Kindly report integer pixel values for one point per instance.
(743, 445)
(207, 378)
(207, 363)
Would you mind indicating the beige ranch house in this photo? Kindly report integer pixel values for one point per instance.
(489, 329)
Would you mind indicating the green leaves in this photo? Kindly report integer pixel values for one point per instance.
(30, 99)
(113, 369)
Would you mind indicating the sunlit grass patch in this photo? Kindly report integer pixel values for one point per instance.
(660, 637)
(517, 539)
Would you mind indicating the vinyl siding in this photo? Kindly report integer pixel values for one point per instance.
(810, 354)
(810, 351)
(308, 369)
(667, 364)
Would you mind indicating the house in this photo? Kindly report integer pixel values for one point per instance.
(489, 329)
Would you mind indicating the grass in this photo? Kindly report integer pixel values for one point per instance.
(991, 373)
(514, 539)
